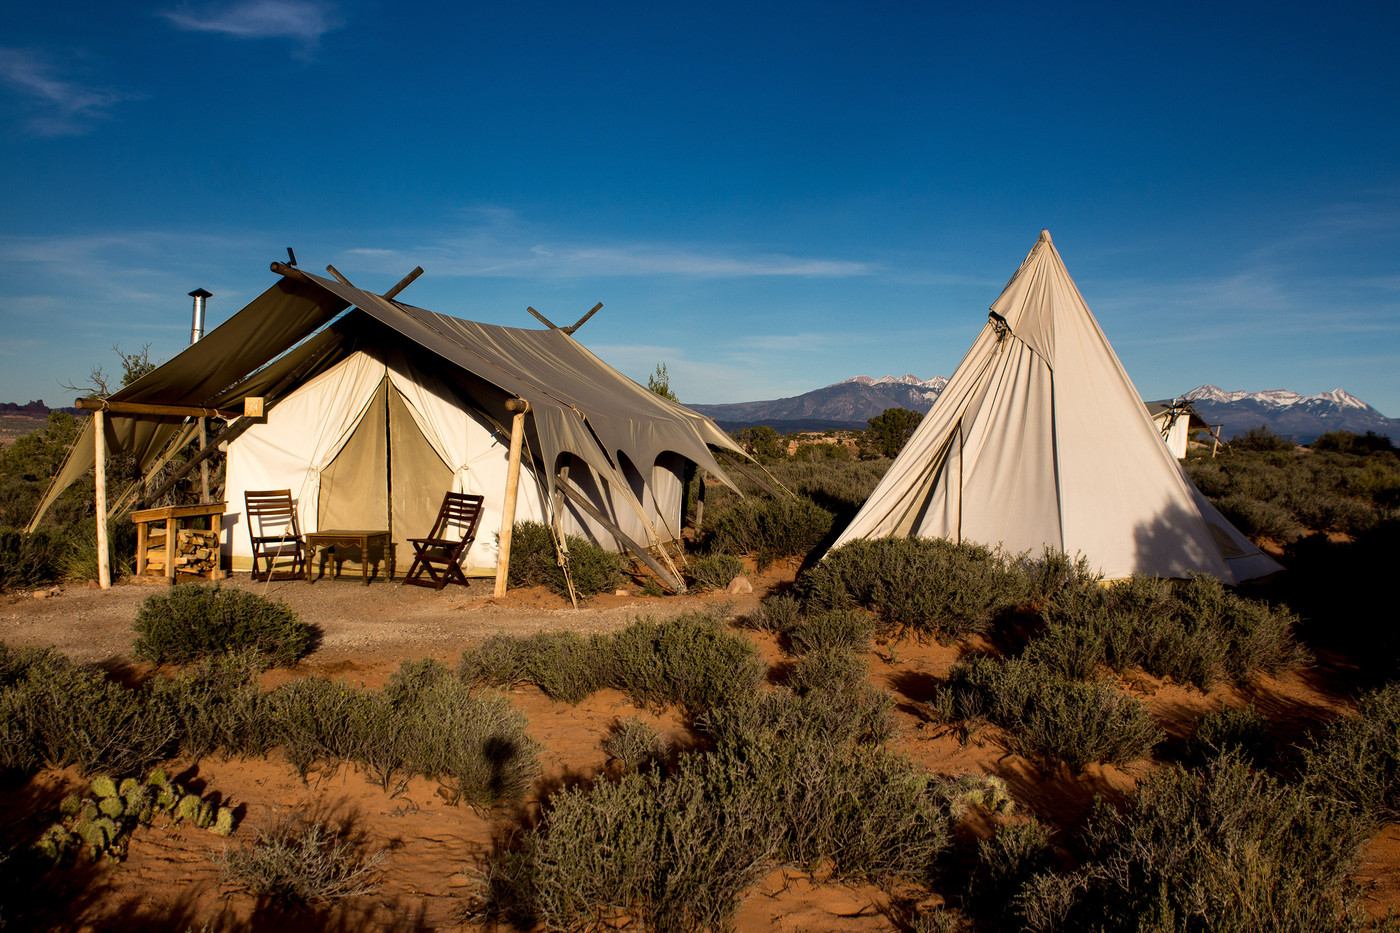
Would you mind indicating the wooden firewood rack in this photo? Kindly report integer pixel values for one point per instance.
(179, 549)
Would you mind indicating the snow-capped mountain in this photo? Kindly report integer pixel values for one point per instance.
(846, 404)
(1286, 413)
(851, 402)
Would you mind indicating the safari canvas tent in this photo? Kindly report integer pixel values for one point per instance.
(1175, 420)
(1040, 439)
(373, 409)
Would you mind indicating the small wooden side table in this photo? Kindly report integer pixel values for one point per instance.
(340, 537)
(172, 515)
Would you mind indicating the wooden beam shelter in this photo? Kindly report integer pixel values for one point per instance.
(145, 408)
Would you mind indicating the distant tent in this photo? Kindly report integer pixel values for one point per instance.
(1040, 439)
(1175, 420)
(374, 409)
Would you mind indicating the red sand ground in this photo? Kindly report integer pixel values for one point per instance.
(435, 850)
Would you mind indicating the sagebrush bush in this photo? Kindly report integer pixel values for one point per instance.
(714, 571)
(567, 666)
(926, 586)
(499, 661)
(534, 561)
(31, 559)
(302, 861)
(1356, 759)
(1194, 631)
(474, 743)
(690, 661)
(1239, 731)
(677, 850)
(634, 745)
(777, 614)
(835, 629)
(1005, 864)
(54, 712)
(769, 529)
(1049, 717)
(1227, 848)
(192, 621)
(216, 705)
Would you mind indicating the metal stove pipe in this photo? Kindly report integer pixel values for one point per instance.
(197, 324)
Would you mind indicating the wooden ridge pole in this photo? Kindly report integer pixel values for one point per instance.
(99, 442)
(518, 408)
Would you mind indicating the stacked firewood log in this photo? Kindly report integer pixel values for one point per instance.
(196, 551)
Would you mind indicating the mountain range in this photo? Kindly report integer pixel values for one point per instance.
(848, 404)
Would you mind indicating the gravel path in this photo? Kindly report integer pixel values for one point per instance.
(95, 626)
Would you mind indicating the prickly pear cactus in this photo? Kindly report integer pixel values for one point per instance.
(101, 824)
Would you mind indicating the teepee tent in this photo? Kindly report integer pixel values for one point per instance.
(373, 409)
(1039, 439)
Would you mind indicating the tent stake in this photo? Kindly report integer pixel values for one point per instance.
(518, 407)
(104, 568)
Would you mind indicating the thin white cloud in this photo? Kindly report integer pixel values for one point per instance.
(487, 257)
(57, 106)
(304, 21)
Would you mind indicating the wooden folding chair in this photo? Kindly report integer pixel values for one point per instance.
(272, 526)
(452, 534)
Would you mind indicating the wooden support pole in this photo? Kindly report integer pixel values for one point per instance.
(518, 408)
(99, 434)
(543, 320)
(203, 464)
(404, 283)
(699, 501)
(583, 320)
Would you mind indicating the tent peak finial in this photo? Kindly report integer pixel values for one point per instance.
(1045, 234)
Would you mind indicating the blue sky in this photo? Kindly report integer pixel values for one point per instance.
(766, 197)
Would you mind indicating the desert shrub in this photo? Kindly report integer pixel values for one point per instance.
(1005, 864)
(836, 629)
(1349, 442)
(474, 743)
(1228, 848)
(679, 849)
(193, 621)
(302, 861)
(921, 585)
(567, 666)
(216, 705)
(55, 712)
(1260, 519)
(535, 562)
(830, 671)
(768, 528)
(1234, 730)
(1193, 631)
(669, 850)
(714, 571)
(1261, 437)
(689, 661)
(777, 614)
(499, 661)
(1054, 577)
(1049, 717)
(634, 745)
(425, 722)
(1356, 759)
(79, 560)
(30, 559)
(316, 719)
